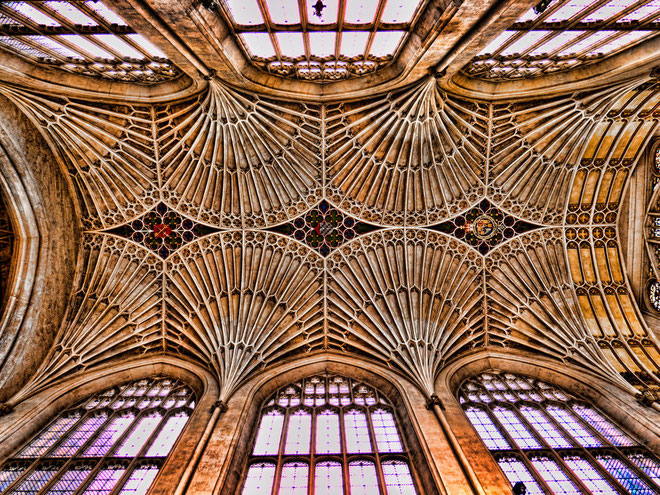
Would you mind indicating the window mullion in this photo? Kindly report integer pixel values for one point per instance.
(280, 452)
(344, 450)
(312, 449)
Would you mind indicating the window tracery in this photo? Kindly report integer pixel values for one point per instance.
(653, 230)
(83, 37)
(321, 40)
(554, 442)
(565, 35)
(327, 435)
(113, 443)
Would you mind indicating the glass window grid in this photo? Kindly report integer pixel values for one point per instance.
(495, 63)
(485, 385)
(61, 42)
(310, 66)
(339, 395)
(101, 404)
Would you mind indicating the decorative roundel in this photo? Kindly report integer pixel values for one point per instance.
(654, 294)
(484, 226)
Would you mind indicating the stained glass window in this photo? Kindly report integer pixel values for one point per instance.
(565, 34)
(329, 39)
(325, 435)
(554, 442)
(105, 445)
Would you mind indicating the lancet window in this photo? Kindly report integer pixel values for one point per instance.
(329, 435)
(114, 443)
(554, 442)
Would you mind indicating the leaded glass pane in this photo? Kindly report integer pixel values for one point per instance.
(357, 432)
(328, 440)
(295, 477)
(591, 478)
(516, 429)
(260, 478)
(387, 437)
(624, 475)
(298, 433)
(487, 430)
(554, 477)
(565, 418)
(603, 426)
(650, 466)
(516, 471)
(328, 479)
(363, 479)
(398, 480)
(541, 424)
(92, 432)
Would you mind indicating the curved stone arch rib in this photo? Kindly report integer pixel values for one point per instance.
(238, 301)
(410, 298)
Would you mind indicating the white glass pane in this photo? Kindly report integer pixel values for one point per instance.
(487, 430)
(167, 436)
(557, 42)
(353, 43)
(291, 44)
(109, 436)
(140, 434)
(399, 11)
(298, 433)
(586, 42)
(546, 430)
(494, 45)
(387, 436)
(259, 44)
(556, 479)
(139, 481)
(295, 479)
(65, 9)
(573, 426)
(105, 481)
(385, 43)
(620, 42)
(523, 43)
(608, 10)
(283, 11)
(270, 432)
(327, 433)
(328, 479)
(516, 471)
(86, 45)
(121, 47)
(328, 14)
(651, 8)
(245, 12)
(259, 479)
(322, 44)
(360, 12)
(146, 45)
(568, 10)
(362, 478)
(357, 432)
(603, 426)
(398, 480)
(589, 476)
(31, 13)
(105, 12)
(516, 429)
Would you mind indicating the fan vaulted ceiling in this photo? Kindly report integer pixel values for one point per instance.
(235, 218)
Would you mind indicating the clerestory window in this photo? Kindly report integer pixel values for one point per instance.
(553, 442)
(113, 443)
(321, 39)
(329, 435)
(563, 34)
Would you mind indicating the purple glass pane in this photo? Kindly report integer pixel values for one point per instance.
(36, 480)
(565, 418)
(105, 481)
(591, 478)
(81, 434)
(603, 426)
(110, 434)
(650, 466)
(542, 425)
(10, 474)
(70, 481)
(40, 445)
(515, 428)
(624, 475)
